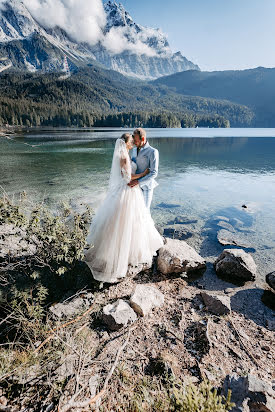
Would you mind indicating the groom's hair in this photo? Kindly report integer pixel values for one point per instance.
(141, 132)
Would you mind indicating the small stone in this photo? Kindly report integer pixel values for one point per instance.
(229, 290)
(266, 348)
(270, 323)
(216, 303)
(135, 270)
(118, 314)
(93, 384)
(145, 298)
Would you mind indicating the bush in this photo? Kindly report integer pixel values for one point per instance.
(60, 238)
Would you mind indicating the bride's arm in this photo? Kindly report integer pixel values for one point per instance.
(125, 169)
(139, 175)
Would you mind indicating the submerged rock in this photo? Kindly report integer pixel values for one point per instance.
(236, 263)
(118, 314)
(181, 220)
(168, 205)
(145, 298)
(217, 304)
(180, 234)
(176, 256)
(226, 237)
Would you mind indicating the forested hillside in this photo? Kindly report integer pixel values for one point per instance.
(254, 88)
(97, 97)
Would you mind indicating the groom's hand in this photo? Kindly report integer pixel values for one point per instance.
(133, 183)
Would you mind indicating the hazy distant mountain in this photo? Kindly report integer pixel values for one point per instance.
(30, 46)
(254, 88)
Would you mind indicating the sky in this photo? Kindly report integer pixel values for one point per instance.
(215, 34)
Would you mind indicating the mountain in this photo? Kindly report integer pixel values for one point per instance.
(254, 88)
(31, 47)
(93, 96)
(142, 66)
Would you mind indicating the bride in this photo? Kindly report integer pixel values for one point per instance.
(122, 232)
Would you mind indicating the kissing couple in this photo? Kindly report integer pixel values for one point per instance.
(123, 232)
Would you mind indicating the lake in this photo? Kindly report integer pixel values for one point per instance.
(205, 177)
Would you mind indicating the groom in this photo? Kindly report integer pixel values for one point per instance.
(145, 156)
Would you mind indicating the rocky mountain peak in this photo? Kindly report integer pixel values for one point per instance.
(117, 15)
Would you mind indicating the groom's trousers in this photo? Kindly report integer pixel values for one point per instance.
(148, 196)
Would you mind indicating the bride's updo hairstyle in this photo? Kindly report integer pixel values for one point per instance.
(126, 137)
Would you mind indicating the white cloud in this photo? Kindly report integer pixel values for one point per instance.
(116, 42)
(84, 21)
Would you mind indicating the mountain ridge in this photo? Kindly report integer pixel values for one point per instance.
(21, 34)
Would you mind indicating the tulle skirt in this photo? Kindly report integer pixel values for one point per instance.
(122, 233)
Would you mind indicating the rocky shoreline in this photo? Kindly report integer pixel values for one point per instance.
(170, 326)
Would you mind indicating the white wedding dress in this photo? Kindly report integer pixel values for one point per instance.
(122, 232)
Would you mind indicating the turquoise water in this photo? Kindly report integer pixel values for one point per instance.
(203, 173)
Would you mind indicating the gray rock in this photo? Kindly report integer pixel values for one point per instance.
(176, 256)
(67, 368)
(249, 391)
(135, 270)
(236, 263)
(93, 384)
(145, 298)
(14, 242)
(216, 303)
(72, 307)
(270, 323)
(118, 314)
(270, 280)
(226, 237)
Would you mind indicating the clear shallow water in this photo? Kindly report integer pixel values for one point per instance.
(203, 173)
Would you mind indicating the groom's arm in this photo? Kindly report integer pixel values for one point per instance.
(153, 166)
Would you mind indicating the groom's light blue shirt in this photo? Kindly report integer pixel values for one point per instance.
(148, 157)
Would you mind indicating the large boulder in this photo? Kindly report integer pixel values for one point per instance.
(145, 298)
(176, 256)
(118, 314)
(236, 263)
(216, 303)
(270, 280)
(249, 393)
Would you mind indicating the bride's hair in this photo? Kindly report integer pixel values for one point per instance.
(126, 137)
